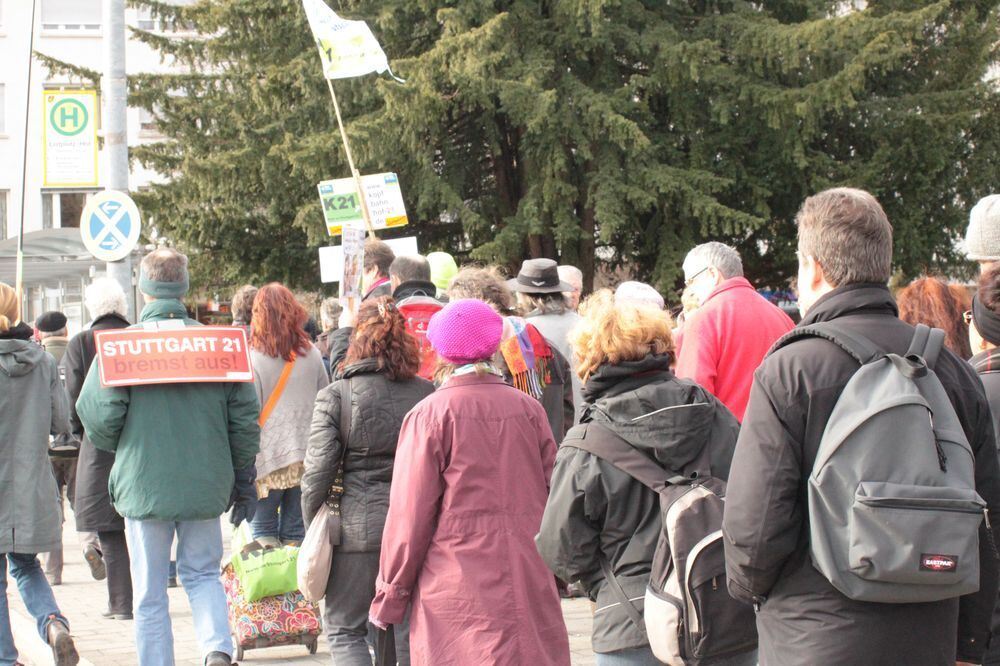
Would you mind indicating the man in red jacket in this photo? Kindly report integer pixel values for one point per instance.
(726, 338)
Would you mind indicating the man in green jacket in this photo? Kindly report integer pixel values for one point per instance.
(184, 454)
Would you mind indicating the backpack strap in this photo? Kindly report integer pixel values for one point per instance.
(602, 442)
(858, 346)
(619, 593)
(279, 388)
(927, 344)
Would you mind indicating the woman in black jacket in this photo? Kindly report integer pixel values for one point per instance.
(378, 377)
(105, 300)
(595, 510)
(984, 337)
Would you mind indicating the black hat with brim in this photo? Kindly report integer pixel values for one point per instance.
(539, 276)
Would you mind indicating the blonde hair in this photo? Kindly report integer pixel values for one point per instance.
(613, 333)
(444, 370)
(8, 307)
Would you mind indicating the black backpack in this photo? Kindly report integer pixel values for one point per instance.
(688, 615)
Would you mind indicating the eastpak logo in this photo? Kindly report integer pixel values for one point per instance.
(939, 563)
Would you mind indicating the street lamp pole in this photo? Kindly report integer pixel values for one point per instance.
(114, 102)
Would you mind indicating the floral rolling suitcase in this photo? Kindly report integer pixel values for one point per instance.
(285, 619)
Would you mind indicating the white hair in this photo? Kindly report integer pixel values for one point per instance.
(715, 255)
(105, 296)
(571, 274)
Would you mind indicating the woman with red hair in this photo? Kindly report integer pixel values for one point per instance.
(931, 301)
(352, 447)
(288, 373)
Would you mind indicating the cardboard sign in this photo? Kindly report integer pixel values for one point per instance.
(354, 260)
(132, 356)
(69, 138)
(331, 257)
(341, 205)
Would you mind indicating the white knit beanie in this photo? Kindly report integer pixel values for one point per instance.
(640, 293)
(982, 240)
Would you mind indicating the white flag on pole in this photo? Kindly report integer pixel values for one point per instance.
(347, 48)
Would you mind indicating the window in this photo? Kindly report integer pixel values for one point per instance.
(3, 214)
(147, 20)
(71, 14)
(147, 124)
(3, 109)
(61, 210)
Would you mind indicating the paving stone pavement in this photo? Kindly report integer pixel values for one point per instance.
(103, 642)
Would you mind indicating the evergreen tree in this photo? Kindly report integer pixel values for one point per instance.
(616, 131)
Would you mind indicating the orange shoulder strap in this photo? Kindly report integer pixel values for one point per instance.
(275, 396)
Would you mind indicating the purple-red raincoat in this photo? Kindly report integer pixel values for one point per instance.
(469, 486)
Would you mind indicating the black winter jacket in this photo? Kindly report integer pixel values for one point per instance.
(804, 619)
(378, 407)
(414, 288)
(92, 503)
(987, 365)
(596, 510)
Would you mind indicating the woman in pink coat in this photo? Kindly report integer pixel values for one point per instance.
(469, 486)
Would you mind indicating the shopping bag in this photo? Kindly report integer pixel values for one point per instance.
(262, 571)
(316, 554)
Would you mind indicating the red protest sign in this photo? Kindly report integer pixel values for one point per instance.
(135, 356)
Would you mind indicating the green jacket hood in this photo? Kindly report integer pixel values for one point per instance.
(163, 308)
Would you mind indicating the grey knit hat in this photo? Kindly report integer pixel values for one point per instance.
(982, 239)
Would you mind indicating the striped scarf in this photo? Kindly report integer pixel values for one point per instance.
(528, 356)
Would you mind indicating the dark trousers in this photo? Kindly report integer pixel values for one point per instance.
(116, 560)
(64, 469)
(349, 594)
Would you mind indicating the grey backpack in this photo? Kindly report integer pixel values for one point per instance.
(893, 510)
(688, 615)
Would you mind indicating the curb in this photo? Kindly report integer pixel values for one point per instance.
(32, 650)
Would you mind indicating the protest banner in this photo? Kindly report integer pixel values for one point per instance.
(331, 257)
(346, 48)
(135, 356)
(342, 206)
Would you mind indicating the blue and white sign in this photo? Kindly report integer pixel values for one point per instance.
(110, 225)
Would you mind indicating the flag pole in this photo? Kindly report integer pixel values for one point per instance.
(19, 275)
(350, 163)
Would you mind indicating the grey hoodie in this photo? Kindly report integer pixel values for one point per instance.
(33, 404)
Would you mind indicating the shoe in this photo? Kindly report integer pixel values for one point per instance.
(172, 581)
(96, 562)
(114, 615)
(63, 651)
(218, 659)
(54, 579)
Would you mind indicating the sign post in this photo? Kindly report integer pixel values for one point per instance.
(69, 138)
(110, 225)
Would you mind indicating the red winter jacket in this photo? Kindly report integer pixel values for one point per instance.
(726, 339)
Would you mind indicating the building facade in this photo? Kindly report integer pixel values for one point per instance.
(69, 31)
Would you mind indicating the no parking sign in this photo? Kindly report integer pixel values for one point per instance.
(110, 225)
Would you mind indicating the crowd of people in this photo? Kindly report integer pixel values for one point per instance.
(446, 414)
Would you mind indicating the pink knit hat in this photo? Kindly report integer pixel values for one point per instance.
(465, 331)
